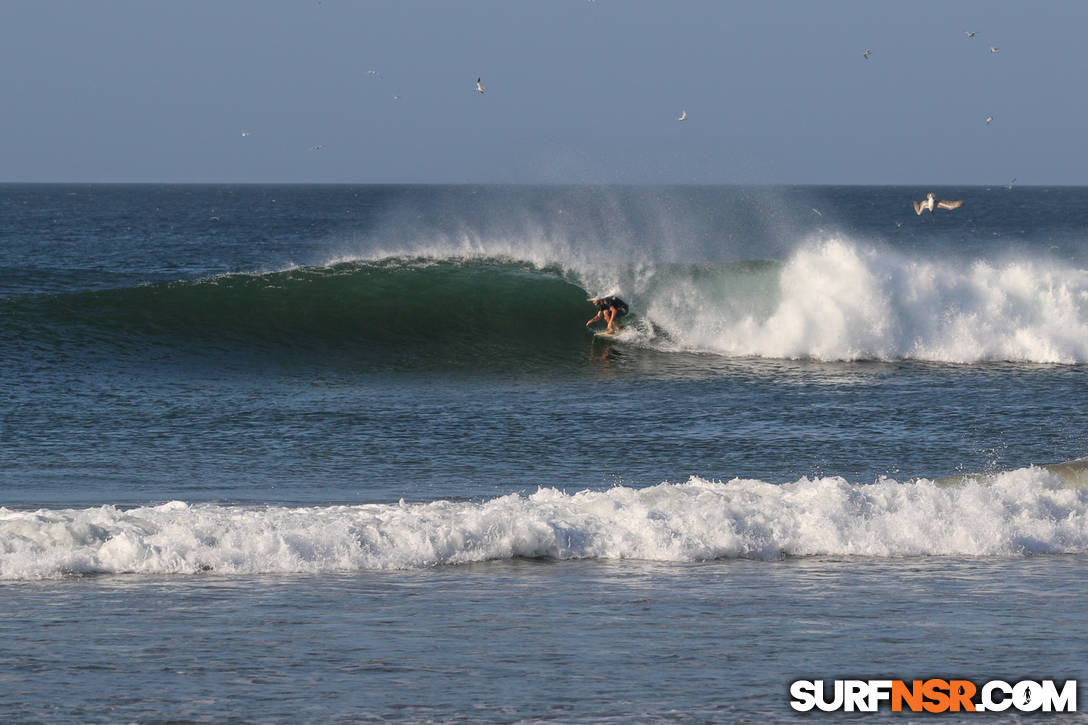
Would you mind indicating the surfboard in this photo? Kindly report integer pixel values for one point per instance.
(617, 335)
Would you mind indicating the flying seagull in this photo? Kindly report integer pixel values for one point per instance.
(318, 147)
(683, 115)
(931, 202)
(867, 53)
(969, 33)
(479, 86)
(1009, 185)
(995, 50)
(989, 119)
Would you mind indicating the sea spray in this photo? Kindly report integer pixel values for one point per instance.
(837, 300)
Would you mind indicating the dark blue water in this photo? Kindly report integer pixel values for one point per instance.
(329, 453)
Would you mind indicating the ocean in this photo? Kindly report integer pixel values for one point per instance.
(311, 454)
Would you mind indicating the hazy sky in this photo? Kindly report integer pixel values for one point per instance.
(577, 91)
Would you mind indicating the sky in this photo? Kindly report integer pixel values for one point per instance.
(576, 91)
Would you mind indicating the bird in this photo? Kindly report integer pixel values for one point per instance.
(989, 119)
(818, 212)
(317, 147)
(1009, 185)
(921, 206)
(683, 115)
(867, 53)
(374, 73)
(932, 202)
(245, 133)
(479, 86)
(969, 33)
(995, 50)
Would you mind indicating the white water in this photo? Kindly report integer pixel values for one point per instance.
(1027, 511)
(831, 299)
(838, 301)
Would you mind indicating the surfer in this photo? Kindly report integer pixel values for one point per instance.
(609, 308)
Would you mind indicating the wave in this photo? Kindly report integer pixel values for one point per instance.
(830, 300)
(1030, 511)
(837, 300)
(442, 308)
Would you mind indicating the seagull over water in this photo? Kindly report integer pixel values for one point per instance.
(989, 119)
(969, 33)
(867, 53)
(318, 147)
(932, 202)
(479, 86)
(995, 50)
(683, 115)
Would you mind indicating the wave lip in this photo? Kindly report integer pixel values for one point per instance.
(1027, 511)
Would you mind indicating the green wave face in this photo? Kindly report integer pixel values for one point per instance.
(404, 308)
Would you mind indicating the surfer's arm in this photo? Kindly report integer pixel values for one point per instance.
(595, 318)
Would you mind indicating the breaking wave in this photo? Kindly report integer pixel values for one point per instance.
(829, 300)
(1036, 510)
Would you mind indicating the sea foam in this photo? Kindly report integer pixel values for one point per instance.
(1027, 511)
(836, 299)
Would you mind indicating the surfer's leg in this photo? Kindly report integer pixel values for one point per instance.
(609, 316)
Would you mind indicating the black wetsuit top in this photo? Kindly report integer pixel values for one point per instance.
(620, 305)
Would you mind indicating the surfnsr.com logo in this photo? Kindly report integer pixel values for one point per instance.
(933, 695)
